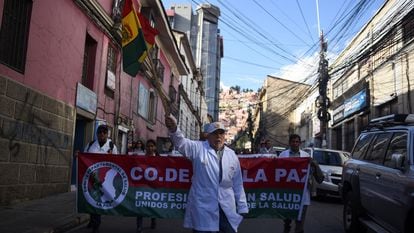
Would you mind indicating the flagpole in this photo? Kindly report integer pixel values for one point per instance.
(317, 16)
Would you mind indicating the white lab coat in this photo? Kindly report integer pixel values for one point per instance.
(207, 192)
(306, 194)
(96, 148)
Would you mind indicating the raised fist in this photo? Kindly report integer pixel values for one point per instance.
(171, 123)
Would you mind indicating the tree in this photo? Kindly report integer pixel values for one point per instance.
(236, 88)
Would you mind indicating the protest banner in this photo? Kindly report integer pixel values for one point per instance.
(158, 186)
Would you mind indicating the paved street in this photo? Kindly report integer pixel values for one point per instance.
(323, 217)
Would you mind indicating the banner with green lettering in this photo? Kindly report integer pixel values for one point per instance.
(158, 186)
(274, 186)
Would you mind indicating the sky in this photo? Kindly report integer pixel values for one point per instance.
(281, 37)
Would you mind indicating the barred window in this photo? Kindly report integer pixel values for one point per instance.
(14, 33)
(111, 68)
(408, 25)
(147, 103)
(89, 55)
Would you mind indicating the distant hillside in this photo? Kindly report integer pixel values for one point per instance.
(234, 107)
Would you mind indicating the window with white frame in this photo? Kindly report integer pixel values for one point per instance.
(152, 102)
(147, 103)
(111, 68)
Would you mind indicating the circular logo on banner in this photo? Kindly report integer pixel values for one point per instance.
(105, 185)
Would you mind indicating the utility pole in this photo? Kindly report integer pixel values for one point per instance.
(323, 102)
(250, 128)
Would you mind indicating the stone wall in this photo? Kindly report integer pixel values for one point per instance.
(36, 134)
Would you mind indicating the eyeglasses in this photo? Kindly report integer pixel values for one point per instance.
(102, 131)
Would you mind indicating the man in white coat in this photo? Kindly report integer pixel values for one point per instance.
(295, 151)
(216, 200)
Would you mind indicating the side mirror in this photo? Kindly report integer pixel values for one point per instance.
(398, 161)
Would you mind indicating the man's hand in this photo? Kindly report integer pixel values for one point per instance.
(171, 122)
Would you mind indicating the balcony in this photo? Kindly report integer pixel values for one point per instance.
(159, 68)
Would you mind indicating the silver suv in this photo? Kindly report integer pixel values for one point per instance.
(330, 162)
(378, 181)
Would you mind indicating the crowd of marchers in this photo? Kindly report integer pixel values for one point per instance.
(217, 200)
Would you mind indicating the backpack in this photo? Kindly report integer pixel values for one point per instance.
(111, 146)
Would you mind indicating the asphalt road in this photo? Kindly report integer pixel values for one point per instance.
(324, 216)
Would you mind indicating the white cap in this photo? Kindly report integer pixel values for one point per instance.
(215, 126)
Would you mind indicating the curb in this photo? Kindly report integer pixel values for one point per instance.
(70, 223)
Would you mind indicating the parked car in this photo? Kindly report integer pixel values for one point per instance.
(330, 162)
(378, 181)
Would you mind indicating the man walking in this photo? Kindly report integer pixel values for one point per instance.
(295, 151)
(103, 145)
(216, 200)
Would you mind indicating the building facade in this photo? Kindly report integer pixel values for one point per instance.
(207, 45)
(61, 76)
(372, 77)
(193, 112)
(305, 119)
(278, 98)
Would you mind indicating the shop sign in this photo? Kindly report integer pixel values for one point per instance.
(355, 103)
(338, 113)
(86, 99)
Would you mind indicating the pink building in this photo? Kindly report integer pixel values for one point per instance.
(61, 75)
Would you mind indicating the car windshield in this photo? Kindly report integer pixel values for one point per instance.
(327, 158)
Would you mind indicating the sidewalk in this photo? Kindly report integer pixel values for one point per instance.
(53, 214)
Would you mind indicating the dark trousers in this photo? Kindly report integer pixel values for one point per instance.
(299, 225)
(224, 225)
(140, 220)
(95, 221)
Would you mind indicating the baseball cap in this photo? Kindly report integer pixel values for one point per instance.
(215, 126)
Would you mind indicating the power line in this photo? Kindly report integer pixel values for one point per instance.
(303, 17)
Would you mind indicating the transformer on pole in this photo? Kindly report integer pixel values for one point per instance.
(322, 101)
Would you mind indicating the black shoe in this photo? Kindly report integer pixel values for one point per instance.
(153, 223)
(286, 230)
(95, 230)
(89, 225)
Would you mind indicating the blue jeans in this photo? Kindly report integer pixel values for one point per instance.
(224, 225)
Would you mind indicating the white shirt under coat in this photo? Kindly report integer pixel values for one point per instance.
(207, 191)
(96, 148)
(288, 153)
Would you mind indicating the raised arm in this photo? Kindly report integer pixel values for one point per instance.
(185, 146)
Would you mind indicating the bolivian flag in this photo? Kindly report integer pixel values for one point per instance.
(149, 32)
(134, 48)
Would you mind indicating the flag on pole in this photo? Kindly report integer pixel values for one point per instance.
(149, 32)
(134, 47)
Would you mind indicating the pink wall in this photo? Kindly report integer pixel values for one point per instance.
(55, 57)
(1, 9)
(144, 129)
(55, 50)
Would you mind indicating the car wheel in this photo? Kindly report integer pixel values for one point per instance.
(351, 213)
